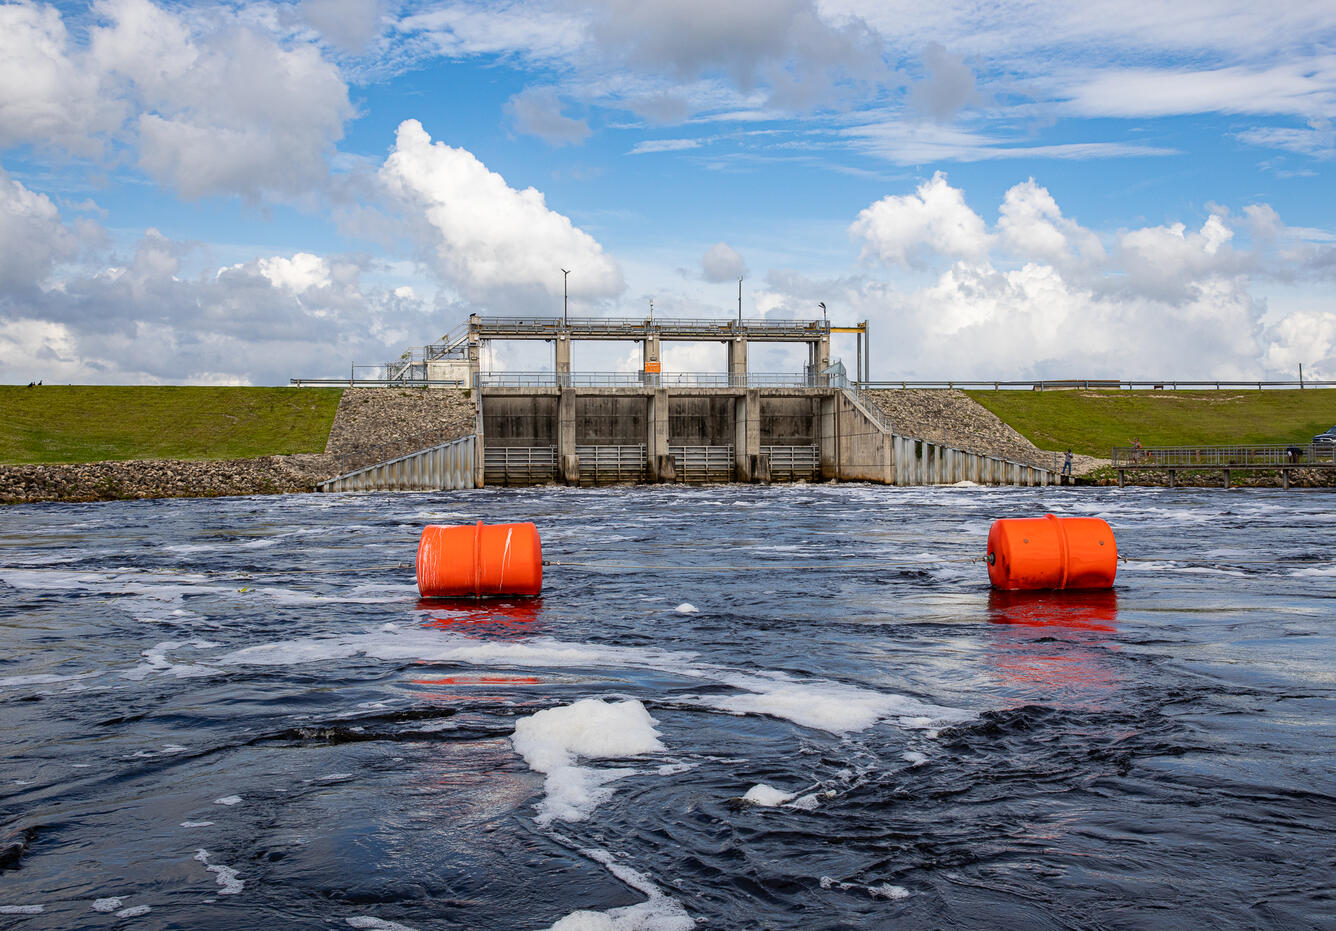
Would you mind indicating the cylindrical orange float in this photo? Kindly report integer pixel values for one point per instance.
(1025, 554)
(479, 561)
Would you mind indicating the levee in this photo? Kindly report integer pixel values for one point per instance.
(616, 435)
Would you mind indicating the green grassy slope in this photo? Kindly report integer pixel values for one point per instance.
(1093, 422)
(81, 423)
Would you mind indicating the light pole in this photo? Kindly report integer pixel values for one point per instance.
(565, 299)
(822, 305)
(739, 300)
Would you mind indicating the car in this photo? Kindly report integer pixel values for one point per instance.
(1324, 439)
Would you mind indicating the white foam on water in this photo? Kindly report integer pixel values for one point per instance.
(22, 909)
(109, 904)
(687, 607)
(887, 891)
(657, 913)
(674, 769)
(816, 703)
(156, 661)
(375, 924)
(134, 911)
(810, 801)
(914, 758)
(830, 706)
(966, 484)
(196, 824)
(883, 891)
(552, 740)
(40, 679)
(225, 875)
(228, 800)
(768, 796)
(1324, 571)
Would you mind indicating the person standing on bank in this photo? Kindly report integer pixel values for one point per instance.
(1067, 464)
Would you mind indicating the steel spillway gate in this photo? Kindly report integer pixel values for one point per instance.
(793, 463)
(612, 465)
(699, 465)
(519, 465)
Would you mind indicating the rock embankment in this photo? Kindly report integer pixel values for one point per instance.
(370, 424)
(371, 417)
(162, 478)
(952, 418)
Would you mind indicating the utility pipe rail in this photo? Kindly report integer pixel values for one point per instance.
(1170, 384)
(666, 328)
(647, 380)
(355, 382)
(1225, 457)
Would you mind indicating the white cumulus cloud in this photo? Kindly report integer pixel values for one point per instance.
(722, 263)
(32, 236)
(935, 220)
(481, 235)
(209, 104)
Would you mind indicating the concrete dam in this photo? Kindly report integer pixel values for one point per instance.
(649, 426)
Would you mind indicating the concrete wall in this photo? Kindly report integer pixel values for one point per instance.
(700, 421)
(790, 421)
(520, 421)
(610, 421)
(862, 451)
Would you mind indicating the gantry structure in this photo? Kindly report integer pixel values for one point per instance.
(464, 346)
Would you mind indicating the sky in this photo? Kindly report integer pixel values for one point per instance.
(245, 193)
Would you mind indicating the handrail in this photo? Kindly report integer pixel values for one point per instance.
(644, 380)
(1169, 384)
(1218, 457)
(359, 456)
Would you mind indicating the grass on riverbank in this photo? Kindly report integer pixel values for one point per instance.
(85, 423)
(1093, 422)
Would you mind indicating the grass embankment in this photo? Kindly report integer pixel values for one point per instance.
(1093, 422)
(84, 423)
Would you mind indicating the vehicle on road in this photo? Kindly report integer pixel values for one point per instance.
(1323, 439)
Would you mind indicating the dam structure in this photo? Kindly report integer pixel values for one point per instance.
(648, 426)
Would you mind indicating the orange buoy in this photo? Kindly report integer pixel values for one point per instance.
(479, 561)
(1025, 554)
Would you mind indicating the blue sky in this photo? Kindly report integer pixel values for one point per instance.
(244, 193)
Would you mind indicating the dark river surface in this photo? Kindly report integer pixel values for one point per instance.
(236, 713)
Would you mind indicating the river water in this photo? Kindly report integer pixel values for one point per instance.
(235, 713)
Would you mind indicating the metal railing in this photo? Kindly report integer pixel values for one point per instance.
(1224, 457)
(661, 327)
(1051, 384)
(611, 465)
(519, 465)
(793, 463)
(360, 456)
(449, 465)
(645, 380)
(703, 464)
(869, 405)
